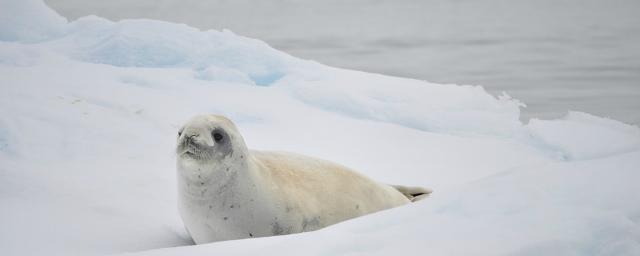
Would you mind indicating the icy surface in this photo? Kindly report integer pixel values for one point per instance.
(28, 21)
(89, 113)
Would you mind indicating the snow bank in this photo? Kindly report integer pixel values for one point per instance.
(427, 106)
(29, 21)
(89, 112)
(149, 43)
(583, 136)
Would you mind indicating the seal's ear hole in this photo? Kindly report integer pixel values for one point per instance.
(217, 136)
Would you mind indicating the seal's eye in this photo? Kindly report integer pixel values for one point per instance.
(179, 132)
(217, 137)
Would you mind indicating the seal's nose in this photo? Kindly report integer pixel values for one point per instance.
(196, 136)
(191, 138)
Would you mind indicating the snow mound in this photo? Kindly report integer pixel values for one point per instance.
(427, 106)
(583, 136)
(223, 56)
(143, 43)
(90, 109)
(149, 43)
(29, 21)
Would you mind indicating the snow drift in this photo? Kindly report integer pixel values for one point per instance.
(89, 112)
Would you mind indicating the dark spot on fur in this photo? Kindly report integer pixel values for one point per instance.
(225, 218)
(251, 235)
(357, 206)
(231, 206)
(311, 224)
(201, 183)
(210, 207)
(276, 229)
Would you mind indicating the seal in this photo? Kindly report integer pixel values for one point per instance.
(226, 191)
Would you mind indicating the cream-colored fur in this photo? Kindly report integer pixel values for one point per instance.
(241, 193)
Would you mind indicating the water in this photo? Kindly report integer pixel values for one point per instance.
(555, 55)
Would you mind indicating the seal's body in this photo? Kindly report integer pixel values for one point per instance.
(226, 191)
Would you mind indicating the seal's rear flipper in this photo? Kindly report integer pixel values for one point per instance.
(413, 193)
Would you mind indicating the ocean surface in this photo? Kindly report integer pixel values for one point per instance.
(555, 56)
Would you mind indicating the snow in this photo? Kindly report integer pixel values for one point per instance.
(90, 109)
(582, 136)
(29, 21)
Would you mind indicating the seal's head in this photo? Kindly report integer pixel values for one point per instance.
(211, 157)
(209, 138)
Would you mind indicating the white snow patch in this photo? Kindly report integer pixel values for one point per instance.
(29, 21)
(582, 136)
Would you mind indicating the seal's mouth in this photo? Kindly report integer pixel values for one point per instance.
(194, 153)
(191, 149)
(189, 154)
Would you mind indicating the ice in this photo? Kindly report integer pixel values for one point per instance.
(29, 21)
(150, 43)
(429, 107)
(582, 136)
(90, 109)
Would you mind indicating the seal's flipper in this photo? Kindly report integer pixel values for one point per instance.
(413, 193)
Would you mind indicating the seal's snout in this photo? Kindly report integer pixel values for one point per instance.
(193, 144)
(191, 139)
(188, 143)
(195, 135)
(206, 138)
